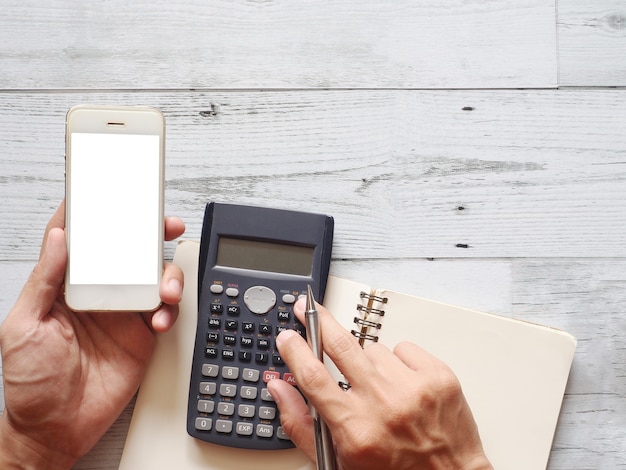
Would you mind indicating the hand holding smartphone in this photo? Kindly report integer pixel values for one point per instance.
(114, 208)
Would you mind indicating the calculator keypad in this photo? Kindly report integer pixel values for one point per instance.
(231, 403)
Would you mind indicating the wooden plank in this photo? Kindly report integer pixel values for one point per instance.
(242, 44)
(592, 41)
(586, 298)
(491, 173)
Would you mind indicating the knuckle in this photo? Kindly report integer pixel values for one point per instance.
(364, 447)
(312, 377)
(341, 345)
(449, 384)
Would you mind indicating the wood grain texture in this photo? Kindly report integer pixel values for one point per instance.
(271, 44)
(401, 119)
(524, 173)
(585, 297)
(592, 41)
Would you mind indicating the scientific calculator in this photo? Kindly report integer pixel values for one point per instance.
(254, 264)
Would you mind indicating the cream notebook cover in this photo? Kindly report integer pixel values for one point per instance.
(513, 375)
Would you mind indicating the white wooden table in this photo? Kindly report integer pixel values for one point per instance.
(472, 152)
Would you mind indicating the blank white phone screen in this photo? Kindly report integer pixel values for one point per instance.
(114, 210)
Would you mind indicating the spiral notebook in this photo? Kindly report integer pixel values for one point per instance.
(513, 374)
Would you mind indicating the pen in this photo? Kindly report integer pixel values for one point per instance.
(323, 441)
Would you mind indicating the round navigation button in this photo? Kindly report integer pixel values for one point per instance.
(259, 299)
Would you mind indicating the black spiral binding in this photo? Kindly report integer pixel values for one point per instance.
(373, 298)
(365, 322)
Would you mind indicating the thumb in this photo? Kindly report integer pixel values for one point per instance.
(294, 416)
(44, 283)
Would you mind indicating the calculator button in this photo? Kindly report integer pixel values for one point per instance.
(232, 325)
(212, 337)
(264, 430)
(210, 353)
(216, 288)
(228, 390)
(288, 299)
(263, 343)
(217, 308)
(259, 299)
(284, 316)
(265, 395)
(226, 409)
(230, 339)
(232, 292)
(289, 378)
(215, 323)
(245, 356)
(248, 327)
(269, 375)
(230, 372)
(245, 429)
(228, 354)
(210, 370)
(208, 388)
(281, 434)
(204, 424)
(251, 375)
(277, 360)
(265, 329)
(248, 393)
(246, 342)
(261, 358)
(267, 412)
(206, 406)
(223, 426)
(246, 411)
(234, 310)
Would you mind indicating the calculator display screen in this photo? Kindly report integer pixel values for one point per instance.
(265, 256)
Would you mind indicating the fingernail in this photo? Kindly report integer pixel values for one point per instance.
(275, 392)
(163, 319)
(300, 305)
(284, 336)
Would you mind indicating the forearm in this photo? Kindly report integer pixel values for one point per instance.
(19, 452)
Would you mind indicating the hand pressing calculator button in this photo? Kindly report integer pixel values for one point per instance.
(254, 264)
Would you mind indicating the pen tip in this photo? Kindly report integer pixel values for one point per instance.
(310, 301)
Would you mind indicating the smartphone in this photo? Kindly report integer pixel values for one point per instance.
(114, 178)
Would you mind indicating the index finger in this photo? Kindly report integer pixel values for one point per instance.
(340, 345)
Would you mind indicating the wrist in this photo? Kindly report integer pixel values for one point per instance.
(20, 452)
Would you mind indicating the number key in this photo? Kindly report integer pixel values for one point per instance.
(227, 390)
(248, 393)
(230, 372)
(210, 370)
(251, 375)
